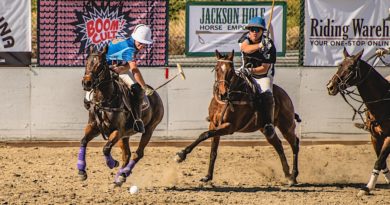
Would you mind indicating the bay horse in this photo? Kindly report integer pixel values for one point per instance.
(232, 110)
(374, 90)
(110, 116)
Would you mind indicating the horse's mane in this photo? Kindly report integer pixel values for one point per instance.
(370, 68)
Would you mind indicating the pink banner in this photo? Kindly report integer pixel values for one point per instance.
(67, 28)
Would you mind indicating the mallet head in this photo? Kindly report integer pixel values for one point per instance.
(181, 72)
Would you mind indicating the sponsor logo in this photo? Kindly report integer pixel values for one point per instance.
(8, 40)
(98, 25)
(2, 60)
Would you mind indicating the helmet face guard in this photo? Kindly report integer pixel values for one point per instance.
(142, 34)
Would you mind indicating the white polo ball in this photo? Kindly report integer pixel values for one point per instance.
(133, 189)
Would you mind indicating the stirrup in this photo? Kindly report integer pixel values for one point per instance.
(269, 130)
(138, 126)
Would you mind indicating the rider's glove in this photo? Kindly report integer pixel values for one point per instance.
(247, 70)
(148, 91)
(381, 51)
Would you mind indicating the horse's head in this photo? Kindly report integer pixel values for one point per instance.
(95, 68)
(347, 75)
(224, 71)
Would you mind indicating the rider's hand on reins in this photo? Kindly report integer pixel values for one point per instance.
(148, 91)
(247, 70)
(116, 69)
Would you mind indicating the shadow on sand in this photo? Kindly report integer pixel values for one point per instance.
(304, 188)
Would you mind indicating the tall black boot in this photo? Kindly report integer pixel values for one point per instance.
(267, 113)
(137, 99)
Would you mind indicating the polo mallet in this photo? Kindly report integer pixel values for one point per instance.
(270, 18)
(181, 73)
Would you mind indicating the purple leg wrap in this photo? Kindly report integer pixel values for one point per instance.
(110, 161)
(81, 164)
(126, 170)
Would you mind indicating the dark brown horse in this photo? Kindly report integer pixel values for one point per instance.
(109, 115)
(375, 93)
(232, 110)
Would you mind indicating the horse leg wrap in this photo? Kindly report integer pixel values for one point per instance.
(373, 179)
(126, 170)
(386, 172)
(111, 163)
(81, 164)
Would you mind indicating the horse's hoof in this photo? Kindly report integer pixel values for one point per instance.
(121, 179)
(180, 157)
(113, 186)
(292, 182)
(363, 192)
(82, 175)
(206, 179)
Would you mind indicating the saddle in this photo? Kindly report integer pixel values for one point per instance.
(127, 96)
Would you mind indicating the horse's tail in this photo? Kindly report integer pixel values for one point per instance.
(297, 118)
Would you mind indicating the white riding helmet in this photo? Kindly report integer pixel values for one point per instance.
(142, 34)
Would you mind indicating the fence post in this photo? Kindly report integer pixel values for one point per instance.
(301, 32)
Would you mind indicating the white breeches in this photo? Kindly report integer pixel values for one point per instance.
(128, 78)
(265, 84)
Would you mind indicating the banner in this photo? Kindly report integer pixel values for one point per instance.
(219, 25)
(15, 32)
(331, 25)
(68, 28)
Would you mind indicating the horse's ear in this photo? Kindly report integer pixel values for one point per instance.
(105, 49)
(358, 55)
(90, 49)
(217, 54)
(231, 55)
(346, 54)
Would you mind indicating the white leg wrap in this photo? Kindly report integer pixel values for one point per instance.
(386, 172)
(128, 78)
(374, 177)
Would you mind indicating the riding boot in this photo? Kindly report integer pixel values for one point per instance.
(267, 112)
(137, 99)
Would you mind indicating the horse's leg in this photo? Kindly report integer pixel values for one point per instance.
(90, 132)
(377, 143)
(112, 140)
(277, 144)
(293, 140)
(126, 170)
(120, 178)
(213, 157)
(223, 129)
(380, 164)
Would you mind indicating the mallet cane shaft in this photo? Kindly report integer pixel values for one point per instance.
(181, 73)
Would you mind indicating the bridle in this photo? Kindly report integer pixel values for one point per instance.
(217, 81)
(354, 75)
(99, 78)
(231, 87)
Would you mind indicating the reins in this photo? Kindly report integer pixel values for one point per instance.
(351, 94)
(230, 92)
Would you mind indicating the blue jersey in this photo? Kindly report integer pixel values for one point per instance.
(121, 50)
